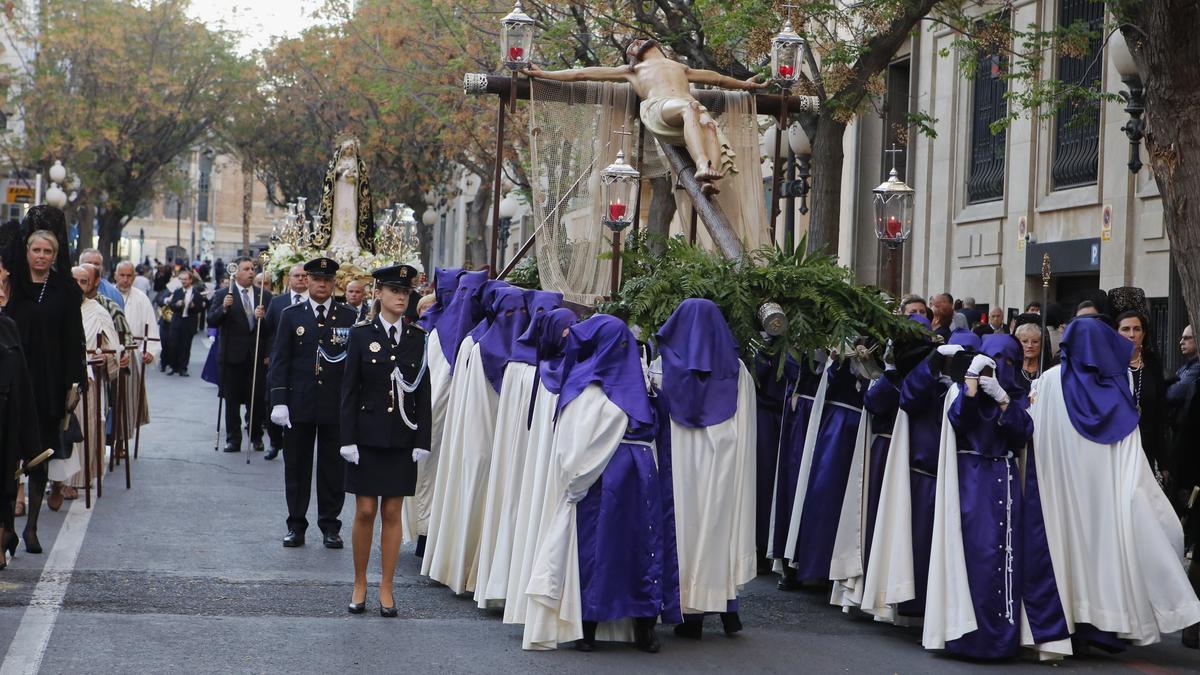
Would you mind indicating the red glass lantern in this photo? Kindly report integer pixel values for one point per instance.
(516, 38)
(787, 49)
(619, 185)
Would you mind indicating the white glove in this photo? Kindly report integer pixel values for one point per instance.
(980, 362)
(349, 453)
(281, 416)
(949, 350)
(991, 387)
(419, 454)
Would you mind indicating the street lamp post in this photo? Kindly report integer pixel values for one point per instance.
(797, 185)
(508, 211)
(893, 220)
(787, 49)
(1135, 103)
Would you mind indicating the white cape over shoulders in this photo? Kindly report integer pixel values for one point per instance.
(1116, 545)
(451, 549)
(713, 479)
(504, 483)
(535, 508)
(890, 579)
(415, 512)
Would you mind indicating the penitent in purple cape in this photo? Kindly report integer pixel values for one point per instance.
(539, 303)
(601, 350)
(510, 319)
(700, 364)
(1095, 381)
(462, 313)
(445, 281)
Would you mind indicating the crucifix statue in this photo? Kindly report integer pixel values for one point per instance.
(668, 109)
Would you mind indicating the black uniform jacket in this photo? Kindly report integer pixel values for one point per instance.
(309, 384)
(370, 402)
(236, 344)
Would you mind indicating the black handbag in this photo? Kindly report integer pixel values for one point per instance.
(72, 433)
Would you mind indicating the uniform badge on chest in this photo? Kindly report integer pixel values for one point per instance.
(299, 330)
(375, 347)
(340, 336)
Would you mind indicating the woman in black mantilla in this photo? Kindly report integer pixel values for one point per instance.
(44, 302)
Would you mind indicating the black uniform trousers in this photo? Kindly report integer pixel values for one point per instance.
(235, 389)
(183, 330)
(298, 475)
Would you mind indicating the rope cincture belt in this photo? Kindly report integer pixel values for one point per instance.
(406, 387)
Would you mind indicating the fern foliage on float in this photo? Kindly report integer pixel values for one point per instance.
(825, 307)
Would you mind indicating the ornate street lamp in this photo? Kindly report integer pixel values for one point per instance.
(1135, 103)
(55, 196)
(619, 187)
(787, 50)
(516, 38)
(893, 217)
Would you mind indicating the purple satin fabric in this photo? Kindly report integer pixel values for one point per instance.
(771, 393)
(510, 319)
(882, 401)
(620, 528)
(462, 313)
(488, 299)
(444, 283)
(992, 501)
(922, 396)
(601, 350)
(802, 386)
(671, 609)
(700, 364)
(1005, 350)
(211, 373)
(965, 338)
(1095, 381)
(830, 469)
(538, 303)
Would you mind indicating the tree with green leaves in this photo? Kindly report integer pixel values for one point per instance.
(118, 91)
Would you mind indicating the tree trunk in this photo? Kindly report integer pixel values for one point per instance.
(247, 201)
(477, 218)
(85, 227)
(825, 195)
(1169, 61)
(662, 210)
(111, 223)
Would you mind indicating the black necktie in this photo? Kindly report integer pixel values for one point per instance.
(392, 334)
(321, 314)
(295, 298)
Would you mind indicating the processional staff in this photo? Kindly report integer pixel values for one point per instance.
(145, 339)
(1045, 305)
(264, 258)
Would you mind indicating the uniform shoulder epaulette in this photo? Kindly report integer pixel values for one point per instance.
(418, 327)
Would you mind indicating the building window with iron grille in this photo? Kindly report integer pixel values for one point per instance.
(1076, 149)
(985, 174)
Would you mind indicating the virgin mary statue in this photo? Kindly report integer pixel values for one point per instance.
(346, 201)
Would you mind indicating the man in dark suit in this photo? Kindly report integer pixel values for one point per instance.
(306, 383)
(356, 299)
(237, 312)
(297, 292)
(187, 306)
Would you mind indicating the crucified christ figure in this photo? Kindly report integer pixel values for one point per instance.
(668, 109)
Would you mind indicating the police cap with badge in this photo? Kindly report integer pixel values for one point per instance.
(398, 277)
(321, 267)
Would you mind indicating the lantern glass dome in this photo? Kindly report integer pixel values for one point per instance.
(787, 49)
(618, 189)
(58, 173)
(516, 38)
(893, 210)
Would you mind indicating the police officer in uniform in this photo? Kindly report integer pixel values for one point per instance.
(386, 421)
(305, 378)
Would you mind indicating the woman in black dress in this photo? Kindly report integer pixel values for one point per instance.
(44, 302)
(385, 422)
(1149, 392)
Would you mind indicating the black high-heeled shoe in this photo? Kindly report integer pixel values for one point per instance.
(388, 612)
(357, 607)
(10, 543)
(32, 545)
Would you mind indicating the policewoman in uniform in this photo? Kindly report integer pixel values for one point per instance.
(305, 376)
(386, 419)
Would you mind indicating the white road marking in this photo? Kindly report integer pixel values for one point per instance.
(37, 623)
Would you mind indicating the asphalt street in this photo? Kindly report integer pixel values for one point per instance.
(185, 573)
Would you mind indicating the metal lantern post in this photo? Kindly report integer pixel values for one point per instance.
(893, 220)
(797, 185)
(619, 187)
(787, 50)
(516, 52)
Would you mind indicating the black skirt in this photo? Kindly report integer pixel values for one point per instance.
(382, 472)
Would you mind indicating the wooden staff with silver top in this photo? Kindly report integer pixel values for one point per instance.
(230, 269)
(264, 258)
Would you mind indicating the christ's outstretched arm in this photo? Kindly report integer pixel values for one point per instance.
(700, 76)
(595, 74)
